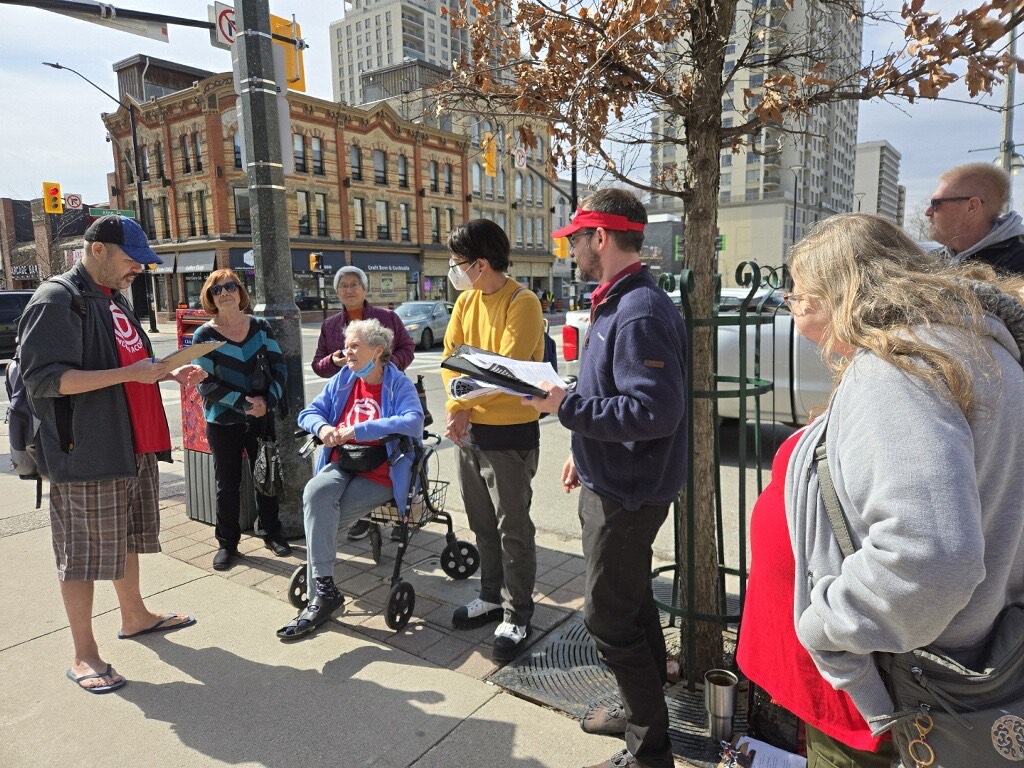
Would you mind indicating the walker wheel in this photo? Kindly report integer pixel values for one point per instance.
(460, 559)
(298, 592)
(375, 542)
(401, 601)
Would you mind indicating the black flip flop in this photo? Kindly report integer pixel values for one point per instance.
(319, 610)
(108, 672)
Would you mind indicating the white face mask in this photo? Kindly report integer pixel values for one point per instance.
(459, 279)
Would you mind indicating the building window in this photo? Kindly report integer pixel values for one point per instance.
(317, 146)
(359, 218)
(159, 160)
(500, 183)
(380, 166)
(519, 188)
(150, 219)
(519, 231)
(204, 225)
(302, 198)
(356, 159)
(237, 148)
(166, 214)
(403, 172)
(403, 222)
(447, 178)
(321, 214)
(383, 211)
(299, 150)
(144, 157)
(501, 221)
(474, 131)
(529, 191)
(435, 224)
(243, 223)
(433, 176)
(450, 212)
(529, 232)
(477, 175)
(197, 155)
(186, 155)
(190, 206)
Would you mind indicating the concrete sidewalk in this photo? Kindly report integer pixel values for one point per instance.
(227, 691)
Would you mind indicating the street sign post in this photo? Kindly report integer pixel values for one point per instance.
(97, 212)
(106, 16)
(223, 18)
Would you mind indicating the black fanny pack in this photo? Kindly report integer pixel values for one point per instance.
(361, 458)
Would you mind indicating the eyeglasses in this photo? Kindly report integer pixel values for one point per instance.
(935, 202)
(792, 299)
(452, 264)
(350, 286)
(230, 286)
(572, 238)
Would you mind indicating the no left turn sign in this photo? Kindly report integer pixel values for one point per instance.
(223, 17)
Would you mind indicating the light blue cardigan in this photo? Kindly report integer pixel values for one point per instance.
(402, 415)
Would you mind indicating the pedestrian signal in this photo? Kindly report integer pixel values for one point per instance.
(316, 262)
(53, 201)
(562, 247)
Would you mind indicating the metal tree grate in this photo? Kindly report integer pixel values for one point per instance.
(563, 671)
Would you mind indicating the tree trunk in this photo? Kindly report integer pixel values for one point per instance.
(703, 138)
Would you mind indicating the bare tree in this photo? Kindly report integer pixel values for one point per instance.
(600, 70)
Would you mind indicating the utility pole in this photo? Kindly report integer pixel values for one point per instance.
(1007, 147)
(275, 298)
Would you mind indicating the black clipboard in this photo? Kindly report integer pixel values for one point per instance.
(456, 362)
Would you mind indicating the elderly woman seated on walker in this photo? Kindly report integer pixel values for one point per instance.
(367, 400)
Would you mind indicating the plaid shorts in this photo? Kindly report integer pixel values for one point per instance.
(94, 524)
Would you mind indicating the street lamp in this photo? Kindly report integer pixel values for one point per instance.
(127, 104)
(796, 189)
(860, 199)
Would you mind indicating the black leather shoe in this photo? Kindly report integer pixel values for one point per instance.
(223, 559)
(278, 545)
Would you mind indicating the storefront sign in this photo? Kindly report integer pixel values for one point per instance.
(386, 262)
(387, 285)
(25, 271)
(71, 255)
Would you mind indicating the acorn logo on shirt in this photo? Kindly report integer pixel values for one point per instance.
(126, 334)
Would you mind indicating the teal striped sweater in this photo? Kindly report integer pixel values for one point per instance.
(231, 368)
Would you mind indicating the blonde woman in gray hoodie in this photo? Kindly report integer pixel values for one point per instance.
(925, 445)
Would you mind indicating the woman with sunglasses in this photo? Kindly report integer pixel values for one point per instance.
(246, 380)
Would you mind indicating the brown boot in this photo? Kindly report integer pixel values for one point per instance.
(605, 720)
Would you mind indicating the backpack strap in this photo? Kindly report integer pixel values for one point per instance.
(840, 525)
(77, 298)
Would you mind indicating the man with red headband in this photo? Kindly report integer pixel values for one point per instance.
(629, 459)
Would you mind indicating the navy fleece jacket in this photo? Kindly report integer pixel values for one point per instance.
(628, 412)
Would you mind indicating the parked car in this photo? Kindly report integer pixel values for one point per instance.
(426, 321)
(793, 395)
(12, 304)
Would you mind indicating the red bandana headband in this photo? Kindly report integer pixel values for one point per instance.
(585, 219)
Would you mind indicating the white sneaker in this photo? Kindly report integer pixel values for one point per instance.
(508, 640)
(476, 614)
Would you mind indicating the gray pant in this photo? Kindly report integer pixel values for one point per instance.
(496, 492)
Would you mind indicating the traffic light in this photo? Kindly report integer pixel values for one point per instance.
(316, 262)
(53, 201)
(490, 147)
(561, 247)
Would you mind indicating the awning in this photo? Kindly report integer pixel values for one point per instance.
(386, 262)
(196, 261)
(237, 258)
(167, 268)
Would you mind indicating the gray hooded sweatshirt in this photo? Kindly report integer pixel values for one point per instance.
(934, 501)
(1007, 226)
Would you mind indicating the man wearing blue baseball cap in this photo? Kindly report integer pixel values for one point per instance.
(89, 369)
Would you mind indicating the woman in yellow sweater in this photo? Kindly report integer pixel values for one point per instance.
(498, 437)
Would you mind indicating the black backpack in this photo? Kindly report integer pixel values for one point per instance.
(21, 420)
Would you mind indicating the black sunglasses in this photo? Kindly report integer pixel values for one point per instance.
(935, 202)
(230, 286)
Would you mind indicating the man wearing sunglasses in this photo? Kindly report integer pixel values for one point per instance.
(966, 215)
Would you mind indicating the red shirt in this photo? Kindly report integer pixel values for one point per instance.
(770, 653)
(598, 295)
(145, 406)
(364, 405)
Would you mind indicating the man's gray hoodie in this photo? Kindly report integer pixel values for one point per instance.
(1002, 248)
(934, 504)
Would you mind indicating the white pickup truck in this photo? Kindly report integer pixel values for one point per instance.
(796, 390)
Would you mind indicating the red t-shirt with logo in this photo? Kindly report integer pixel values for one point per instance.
(364, 405)
(145, 406)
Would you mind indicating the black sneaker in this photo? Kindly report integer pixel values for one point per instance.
(508, 640)
(223, 559)
(359, 530)
(278, 545)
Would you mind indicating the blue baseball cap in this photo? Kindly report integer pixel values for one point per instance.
(123, 232)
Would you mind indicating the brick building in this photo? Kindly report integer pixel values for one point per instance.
(369, 189)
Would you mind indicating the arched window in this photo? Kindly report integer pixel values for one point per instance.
(474, 131)
(529, 190)
(519, 187)
(477, 173)
(500, 183)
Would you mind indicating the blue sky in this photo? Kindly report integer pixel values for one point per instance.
(51, 129)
